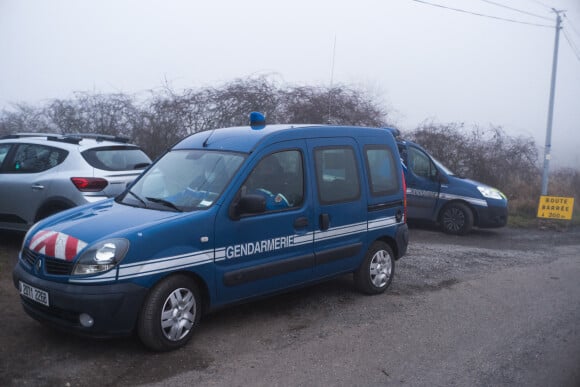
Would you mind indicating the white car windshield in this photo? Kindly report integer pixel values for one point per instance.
(185, 180)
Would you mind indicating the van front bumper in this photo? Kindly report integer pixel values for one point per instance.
(492, 216)
(113, 307)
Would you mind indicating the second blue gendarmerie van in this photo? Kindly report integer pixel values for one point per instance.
(436, 194)
(224, 216)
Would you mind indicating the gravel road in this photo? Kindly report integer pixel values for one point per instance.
(497, 307)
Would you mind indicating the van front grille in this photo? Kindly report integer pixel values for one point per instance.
(52, 266)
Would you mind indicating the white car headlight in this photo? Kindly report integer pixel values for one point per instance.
(101, 257)
(490, 193)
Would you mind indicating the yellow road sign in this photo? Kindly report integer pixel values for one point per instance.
(555, 207)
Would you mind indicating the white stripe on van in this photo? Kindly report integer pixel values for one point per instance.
(446, 196)
(183, 261)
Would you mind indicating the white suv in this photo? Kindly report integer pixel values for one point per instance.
(42, 174)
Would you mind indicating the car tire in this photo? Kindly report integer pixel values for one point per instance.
(456, 219)
(170, 314)
(377, 270)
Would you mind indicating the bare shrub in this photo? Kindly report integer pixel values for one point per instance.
(160, 124)
(487, 155)
(339, 105)
(169, 115)
(22, 118)
(566, 182)
(165, 116)
(112, 114)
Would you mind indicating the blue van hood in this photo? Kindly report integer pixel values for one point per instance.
(462, 189)
(468, 184)
(464, 184)
(78, 227)
(468, 190)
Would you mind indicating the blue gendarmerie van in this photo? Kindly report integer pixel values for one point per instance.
(435, 194)
(224, 216)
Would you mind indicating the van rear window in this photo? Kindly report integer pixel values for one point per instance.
(337, 174)
(382, 171)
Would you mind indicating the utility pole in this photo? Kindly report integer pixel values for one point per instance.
(548, 144)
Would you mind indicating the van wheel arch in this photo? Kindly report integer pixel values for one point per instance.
(392, 244)
(457, 218)
(199, 282)
(377, 269)
(171, 312)
(203, 290)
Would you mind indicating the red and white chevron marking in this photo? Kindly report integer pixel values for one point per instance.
(56, 244)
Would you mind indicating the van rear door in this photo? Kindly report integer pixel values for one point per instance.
(385, 198)
(340, 213)
(423, 184)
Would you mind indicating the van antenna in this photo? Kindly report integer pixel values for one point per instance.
(331, 80)
(207, 139)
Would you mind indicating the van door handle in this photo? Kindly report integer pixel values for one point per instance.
(324, 221)
(301, 222)
(37, 187)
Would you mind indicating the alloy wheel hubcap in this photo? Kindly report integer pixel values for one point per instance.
(454, 219)
(178, 314)
(380, 268)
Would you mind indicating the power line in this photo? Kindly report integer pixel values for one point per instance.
(569, 39)
(516, 9)
(542, 4)
(481, 14)
(571, 25)
(575, 49)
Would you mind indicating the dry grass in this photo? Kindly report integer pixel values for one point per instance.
(524, 200)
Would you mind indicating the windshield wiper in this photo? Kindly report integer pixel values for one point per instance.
(166, 203)
(138, 198)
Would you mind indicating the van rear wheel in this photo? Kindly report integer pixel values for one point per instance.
(376, 272)
(170, 314)
(456, 219)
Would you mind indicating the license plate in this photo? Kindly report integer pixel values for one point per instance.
(34, 294)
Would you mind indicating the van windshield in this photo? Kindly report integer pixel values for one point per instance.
(442, 167)
(184, 180)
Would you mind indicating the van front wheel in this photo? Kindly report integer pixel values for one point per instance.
(376, 272)
(170, 313)
(457, 219)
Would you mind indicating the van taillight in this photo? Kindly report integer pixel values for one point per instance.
(89, 184)
(404, 196)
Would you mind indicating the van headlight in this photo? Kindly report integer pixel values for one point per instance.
(101, 257)
(491, 193)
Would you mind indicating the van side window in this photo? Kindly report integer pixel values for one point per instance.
(336, 174)
(420, 164)
(279, 177)
(382, 171)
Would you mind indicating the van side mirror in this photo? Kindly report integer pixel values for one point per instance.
(441, 178)
(248, 204)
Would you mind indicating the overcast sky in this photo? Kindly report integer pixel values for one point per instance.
(426, 62)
